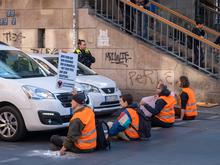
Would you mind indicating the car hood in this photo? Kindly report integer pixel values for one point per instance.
(96, 80)
(48, 83)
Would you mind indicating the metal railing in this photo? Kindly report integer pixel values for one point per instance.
(210, 16)
(182, 20)
(163, 34)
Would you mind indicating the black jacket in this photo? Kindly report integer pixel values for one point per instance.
(85, 57)
(198, 32)
(159, 104)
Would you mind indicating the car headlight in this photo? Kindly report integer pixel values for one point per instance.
(116, 89)
(89, 88)
(33, 92)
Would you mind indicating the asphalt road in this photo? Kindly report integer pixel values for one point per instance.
(187, 143)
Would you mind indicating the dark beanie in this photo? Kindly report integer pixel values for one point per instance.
(80, 98)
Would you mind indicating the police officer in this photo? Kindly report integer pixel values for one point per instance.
(84, 55)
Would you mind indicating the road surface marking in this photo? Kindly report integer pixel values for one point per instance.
(213, 117)
(9, 160)
(52, 154)
(156, 128)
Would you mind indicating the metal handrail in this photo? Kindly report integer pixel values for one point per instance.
(211, 17)
(186, 19)
(216, 7)
(181, 29)
(162, 33)
(211, 9)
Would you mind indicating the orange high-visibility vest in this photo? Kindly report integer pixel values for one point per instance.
(191, 108)
(167, 114)
(131, 132)
(87, 140)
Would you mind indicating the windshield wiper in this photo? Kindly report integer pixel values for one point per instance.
(32, 76)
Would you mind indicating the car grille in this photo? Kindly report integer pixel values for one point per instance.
(108, 104)
(65, 99)
(108, 90)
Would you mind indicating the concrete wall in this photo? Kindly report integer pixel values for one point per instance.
(136, 66)
(55, 16)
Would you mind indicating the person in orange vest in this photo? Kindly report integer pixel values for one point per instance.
(81, 136)
(163, 115)
(188, 106)
(125, 127)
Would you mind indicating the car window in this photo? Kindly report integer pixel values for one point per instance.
(81, 69)
(52, 60)
(16, 64)
(46, 66)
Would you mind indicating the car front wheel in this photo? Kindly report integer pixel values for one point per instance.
(12, 127)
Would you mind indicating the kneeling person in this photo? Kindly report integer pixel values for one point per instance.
(82, 134)
(127, 124)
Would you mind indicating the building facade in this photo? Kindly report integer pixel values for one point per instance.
(39, 26)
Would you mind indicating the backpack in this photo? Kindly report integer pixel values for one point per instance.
(103, 143)
(144, 125)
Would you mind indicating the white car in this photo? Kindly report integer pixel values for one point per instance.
(29, 99)
(102, 91)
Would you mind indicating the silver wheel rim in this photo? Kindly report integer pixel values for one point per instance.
(8, 124)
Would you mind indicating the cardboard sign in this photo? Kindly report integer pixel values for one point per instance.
(67, 69)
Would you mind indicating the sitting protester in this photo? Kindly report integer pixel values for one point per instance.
(188, 109)
(151, 100)
(163, 115)
(82, 133)
(126, 125)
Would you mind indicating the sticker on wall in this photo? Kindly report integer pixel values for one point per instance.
(103, 39)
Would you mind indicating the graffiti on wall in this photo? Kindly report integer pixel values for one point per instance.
(103, 39)
(45, 50)
(121, 58)
(13, 37)
(148, 79)
(10, 18)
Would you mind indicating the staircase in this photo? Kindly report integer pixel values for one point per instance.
(164, 34)
(209, 11)
(183, 21)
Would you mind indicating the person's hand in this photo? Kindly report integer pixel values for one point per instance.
(142, 102)
(62, 151)
(156, 96)
(74, 91)
(160, 82)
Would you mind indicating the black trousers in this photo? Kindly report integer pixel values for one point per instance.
(58, 141)
(155, 122)
(198, 51)
(178, 114)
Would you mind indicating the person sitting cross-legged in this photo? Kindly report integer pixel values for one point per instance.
(125, 127)
(82, 135)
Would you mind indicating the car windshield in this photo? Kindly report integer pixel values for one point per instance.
(81, 69)
(15, 64)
